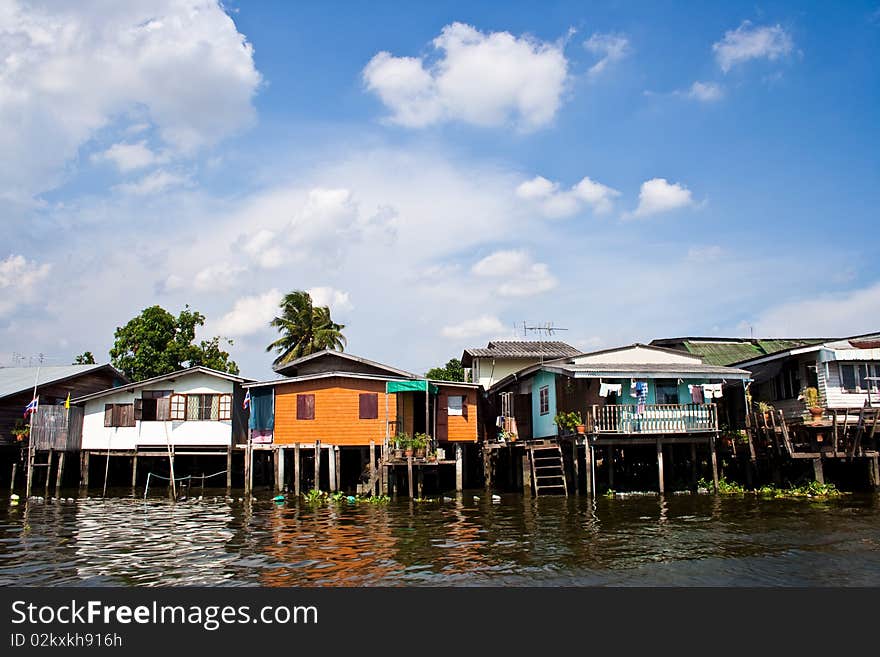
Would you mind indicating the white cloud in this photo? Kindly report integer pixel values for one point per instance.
(249, 315)
(609, 47)
(154, 183)
(484, 325)
(824, 315)
(261, 246)
(483, 79)
(72, 69)
(19, 281)
(515, 273)
(705, 92)
(220, 276)
(336, 300)
(703, 254)
(128, 157)
(752, 42)
(555, 203)
(659, 195)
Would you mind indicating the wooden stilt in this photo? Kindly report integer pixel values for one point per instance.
(59, 477)
(661, 483)
(134, 470)
(609, 456)
(487, 467)
(331, 465)
(296, 476)
(30, 472)
(338, 469)
(383, 478)
(48, 472)
(694, 465)
(874, 466)
(459, 468)
(85, 458)
(249, 470)
(420, 480)
(526, 473)
(409, 476)
(372, 457)
(714, 458)
(12, 478)
(588, 468)
(279, 454)
(575, 470)
(229, 470)
(818, 471)
(107, 474)
(317, 465)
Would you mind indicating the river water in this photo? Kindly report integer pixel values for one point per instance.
(680, 540)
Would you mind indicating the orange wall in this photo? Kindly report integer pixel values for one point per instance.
(336, 413)
(457, 428)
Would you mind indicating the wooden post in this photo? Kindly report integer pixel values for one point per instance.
(714, 458)
(107, 475)
(694, 465)
(12, 478)
(409, 476)
(338, 469)
(84, 457)
(660, 466)
(818, 471)
(296, 463)
(588, 467)
(134, 470)
(248, 470)
(280, 455)
(383, 476)
(487, 467)
(874, 467)
(317, 465)
(30, 472)
(575, 469)
(229, 470)
(372, 468)
(609, 456)
(331, 467)
(526, 474)
(459, 468)
(60, 475)
(420, 480)
(48, 472)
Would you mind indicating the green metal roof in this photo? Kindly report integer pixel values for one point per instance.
(727, 353)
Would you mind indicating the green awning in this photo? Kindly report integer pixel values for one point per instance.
(410, 386)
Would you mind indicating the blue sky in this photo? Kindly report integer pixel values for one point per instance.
(438, 172)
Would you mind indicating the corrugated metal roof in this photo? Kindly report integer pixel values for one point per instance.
(197, 369)
(668, 369)
(725, 352)
(524, 349)
(14, 380)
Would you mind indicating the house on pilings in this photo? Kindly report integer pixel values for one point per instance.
(335, 418)
(644, 413)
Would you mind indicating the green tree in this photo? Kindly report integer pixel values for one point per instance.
(452, 371)
(305, 329)
(85, 358)
(155, 342)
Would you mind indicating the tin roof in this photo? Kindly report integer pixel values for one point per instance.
(164, 377)
(14, 380)
(544, 349)
(726, 351)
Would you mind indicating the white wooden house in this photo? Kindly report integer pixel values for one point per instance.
(846, 372)
(196, 407)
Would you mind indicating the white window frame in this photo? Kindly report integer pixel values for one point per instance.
(451, 408)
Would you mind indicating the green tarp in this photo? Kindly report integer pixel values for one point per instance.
(410, 386)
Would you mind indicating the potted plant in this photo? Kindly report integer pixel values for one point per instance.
(810, 397)
(402, 444)
(570, 422)
(765, 409)
(20, 431)
(419, 445)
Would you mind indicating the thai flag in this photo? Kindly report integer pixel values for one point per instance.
(31, 408)
(246, 404)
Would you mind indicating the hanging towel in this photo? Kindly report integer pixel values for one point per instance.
(606, 389)
(696, 394)
(712, 390)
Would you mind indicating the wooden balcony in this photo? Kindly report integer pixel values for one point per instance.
(653, 419)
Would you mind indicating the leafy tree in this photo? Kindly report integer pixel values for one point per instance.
(452, 371)
(155, 342)
(85, 358)
(305, 328)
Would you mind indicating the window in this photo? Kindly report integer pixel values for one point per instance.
(305, 407)
(368, 406)
(455, 405)
(119, 415)
(544, 400)
(203, 407)
(666, 391)
(178, 407)
(153, 405)
(854, 377)
(788, 382)
(225, 407)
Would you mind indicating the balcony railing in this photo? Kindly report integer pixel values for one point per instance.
(653, 418)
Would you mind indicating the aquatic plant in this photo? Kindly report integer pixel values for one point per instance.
(724, 487)
(315, 496)
(812, 489)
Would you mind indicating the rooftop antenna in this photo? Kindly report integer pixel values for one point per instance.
(541, 329)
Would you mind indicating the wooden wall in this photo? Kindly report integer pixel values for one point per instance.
(336, 412)
(457, 428)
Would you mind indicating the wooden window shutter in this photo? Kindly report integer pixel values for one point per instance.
(108, 415)
(126, 415)
(305, 407)
(163, 409)
(368, 406)
(138, 409)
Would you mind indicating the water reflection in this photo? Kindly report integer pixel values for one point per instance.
(677, 540)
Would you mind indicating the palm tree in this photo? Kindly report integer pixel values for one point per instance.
(305, 329)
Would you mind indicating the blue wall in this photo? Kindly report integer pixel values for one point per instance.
(684, 395)
(543, 425)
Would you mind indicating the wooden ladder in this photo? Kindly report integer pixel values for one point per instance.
(548, 468)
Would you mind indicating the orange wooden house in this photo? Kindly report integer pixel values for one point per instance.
(354, 409)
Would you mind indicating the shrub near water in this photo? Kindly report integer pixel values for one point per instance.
(812, 489)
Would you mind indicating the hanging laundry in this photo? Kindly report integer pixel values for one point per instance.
(641, 395)
(606, 389)
(712, 390)
(696, 394)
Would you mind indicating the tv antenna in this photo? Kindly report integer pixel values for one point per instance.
(541, 329)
